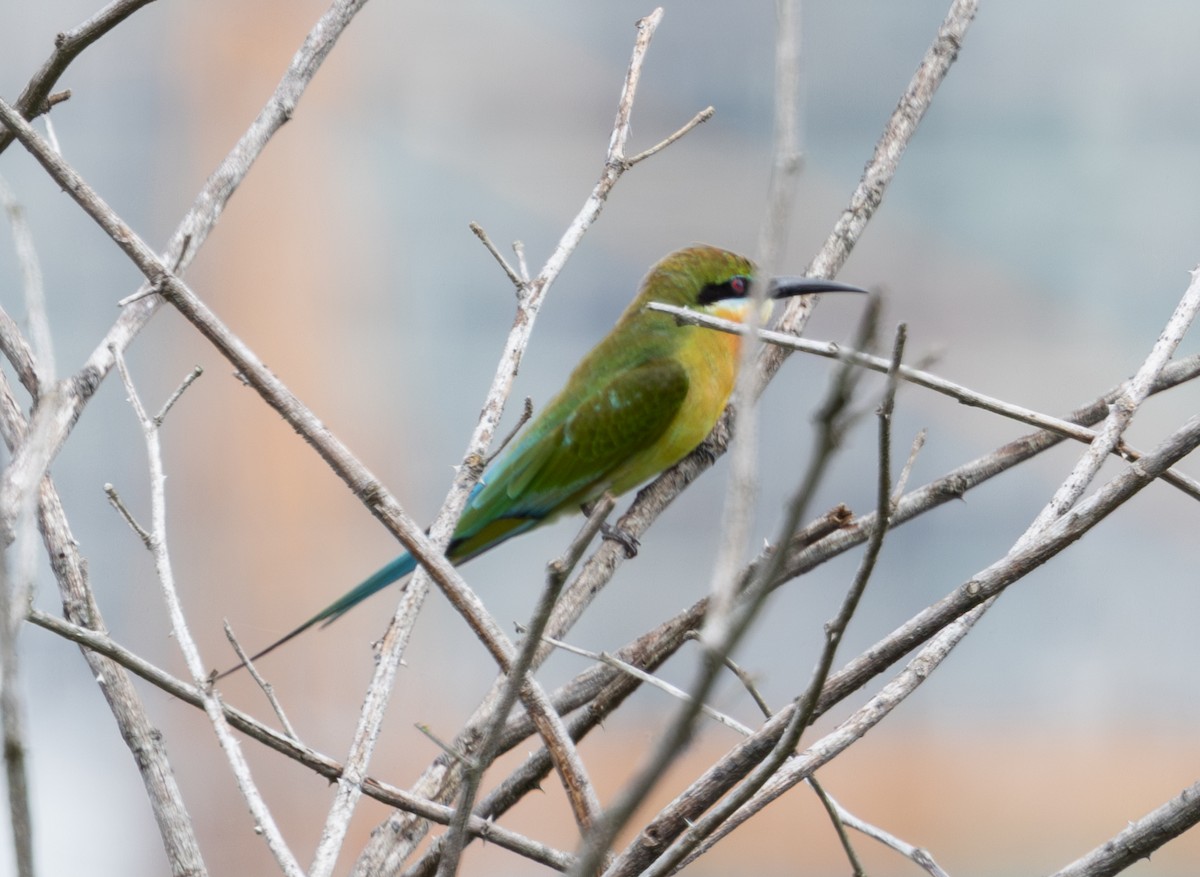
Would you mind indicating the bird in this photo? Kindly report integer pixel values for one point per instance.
(640, 401)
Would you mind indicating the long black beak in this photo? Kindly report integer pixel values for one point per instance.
(785, 287)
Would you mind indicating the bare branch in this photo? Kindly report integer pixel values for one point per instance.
(449, 748)
(519, 252)
(829, 536)
(1141, 838)
(57, 415)
(304, 421)
(36, 99)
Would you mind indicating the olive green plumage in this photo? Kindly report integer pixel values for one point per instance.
(643, 398)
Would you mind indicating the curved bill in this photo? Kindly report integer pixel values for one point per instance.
(785, 287)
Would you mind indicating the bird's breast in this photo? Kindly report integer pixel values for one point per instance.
(710, 360)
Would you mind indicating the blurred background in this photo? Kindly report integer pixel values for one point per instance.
(1037, 237)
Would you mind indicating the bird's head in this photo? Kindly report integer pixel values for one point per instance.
(718, 282)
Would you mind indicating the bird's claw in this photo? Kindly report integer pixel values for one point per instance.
(623, 538)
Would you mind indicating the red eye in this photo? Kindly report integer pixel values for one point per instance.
(737, 285)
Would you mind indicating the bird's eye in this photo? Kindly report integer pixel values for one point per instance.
(737, 286)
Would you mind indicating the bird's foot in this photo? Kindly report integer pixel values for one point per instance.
(622, 537)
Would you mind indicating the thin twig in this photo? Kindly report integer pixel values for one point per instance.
(174, 397)
(650, 679)
(57, 415)
(843, 816)
(522, 266)
(198, 222)
(516, 279)
(117, 503)
(743, 677)
(266, 687)
(838, 817)
(700, 118)
(902, 481)
(166, 802)
(162, 561)
(526, 416)
(821, 752)
(448, 748)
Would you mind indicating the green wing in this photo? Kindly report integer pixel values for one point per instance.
(557, 465)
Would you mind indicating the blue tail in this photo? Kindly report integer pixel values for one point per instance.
(397, 569)
(377, 581)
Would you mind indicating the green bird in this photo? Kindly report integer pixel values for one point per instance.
(637, 403)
